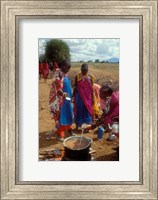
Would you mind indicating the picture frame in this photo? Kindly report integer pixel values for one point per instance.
(11, 12)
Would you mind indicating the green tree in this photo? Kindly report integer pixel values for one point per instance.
(90, 61)
(42, 57)
(57, 50)
(97, 61)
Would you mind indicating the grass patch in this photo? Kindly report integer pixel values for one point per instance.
(103, 72)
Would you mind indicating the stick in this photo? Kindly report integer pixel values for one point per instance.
(93, 151)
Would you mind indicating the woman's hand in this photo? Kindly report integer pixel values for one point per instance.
(72, 100)
(65, 94)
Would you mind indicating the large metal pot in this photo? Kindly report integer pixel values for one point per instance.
(76, 150)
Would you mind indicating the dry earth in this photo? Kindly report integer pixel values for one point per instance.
(103, 148)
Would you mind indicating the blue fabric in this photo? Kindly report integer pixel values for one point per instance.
(82, 115)
(66, 112)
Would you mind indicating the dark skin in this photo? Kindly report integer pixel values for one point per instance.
(104, 95)
(105, 91)
(65, 69)
(84, 71)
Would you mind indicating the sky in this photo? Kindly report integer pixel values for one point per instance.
(89, 49)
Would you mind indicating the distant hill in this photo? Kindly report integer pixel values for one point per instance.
(113, 60)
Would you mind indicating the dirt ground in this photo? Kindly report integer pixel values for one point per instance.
(103, 149)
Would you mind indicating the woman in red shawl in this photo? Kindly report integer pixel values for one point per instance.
(45, 70)
(40, 69)
(112, 103)
(83, 97)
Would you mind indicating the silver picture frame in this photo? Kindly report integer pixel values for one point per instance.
(11, 12)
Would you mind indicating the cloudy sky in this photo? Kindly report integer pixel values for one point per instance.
(89, 49)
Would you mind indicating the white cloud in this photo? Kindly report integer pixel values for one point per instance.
(89, 49)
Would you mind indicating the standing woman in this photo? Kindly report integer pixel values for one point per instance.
(83, 97)
(60, 108)
(40, 69)
(100, 102)
(45, 70)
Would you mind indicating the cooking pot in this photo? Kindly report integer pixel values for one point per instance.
(77, 149)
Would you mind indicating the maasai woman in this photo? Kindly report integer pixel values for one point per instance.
(40, 69)
(45, 70)
(60, 108)
(111, 108)
(83, 97)
(97, 103)
(101, 102)
(112, 103)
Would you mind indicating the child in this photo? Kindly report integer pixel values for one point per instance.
(61, 109)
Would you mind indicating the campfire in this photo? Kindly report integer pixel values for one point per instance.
(59, 155)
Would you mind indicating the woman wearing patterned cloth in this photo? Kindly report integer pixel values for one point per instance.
(61, 109)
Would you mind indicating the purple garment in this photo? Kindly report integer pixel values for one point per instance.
(114, 108)
(86, 92)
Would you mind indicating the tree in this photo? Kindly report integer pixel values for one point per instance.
(42, 57)
(97, 61)
(90, 61)
(57, 50)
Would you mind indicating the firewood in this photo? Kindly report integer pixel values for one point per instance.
(93, 151)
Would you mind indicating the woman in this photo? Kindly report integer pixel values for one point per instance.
(112, 103)
(111, 107)
(45, 70)
(40, 69)
(98, 104)
(83, 97)
(60, 108)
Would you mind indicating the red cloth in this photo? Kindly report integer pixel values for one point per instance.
(86, 91)
(45, 70)
(40, 68)
(114, 108)
(55, 66)
(61, 130)
(55, 98)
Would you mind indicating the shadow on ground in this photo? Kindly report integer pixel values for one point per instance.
(109, 157)
(44, 142)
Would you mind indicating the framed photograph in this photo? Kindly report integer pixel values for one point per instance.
(76, 130)
(109, 44)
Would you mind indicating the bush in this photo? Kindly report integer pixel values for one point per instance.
(57, 50)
